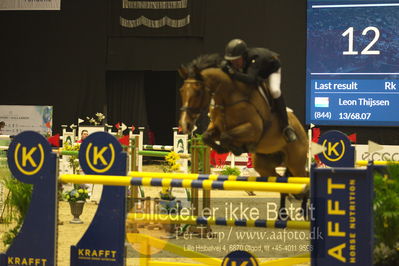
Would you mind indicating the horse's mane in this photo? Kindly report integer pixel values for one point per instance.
(203, 62)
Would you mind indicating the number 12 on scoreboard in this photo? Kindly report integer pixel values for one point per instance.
(366, 50)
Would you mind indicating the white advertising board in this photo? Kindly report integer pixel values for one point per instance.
(20, 118)
(388, 153)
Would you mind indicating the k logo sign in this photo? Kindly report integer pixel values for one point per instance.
(100, 159)
(27, 155)
(339, 151)
(98, 153)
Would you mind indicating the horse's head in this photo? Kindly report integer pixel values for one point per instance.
(195, 98)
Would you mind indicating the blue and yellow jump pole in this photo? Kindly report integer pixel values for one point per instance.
(198, 220)
(294, 180)
(186, 183)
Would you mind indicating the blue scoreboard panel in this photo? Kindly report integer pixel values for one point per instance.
(352, 72)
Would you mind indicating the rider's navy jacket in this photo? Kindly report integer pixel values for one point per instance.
(259, 63)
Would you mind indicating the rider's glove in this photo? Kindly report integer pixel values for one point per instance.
(223, 64)
(226, 67)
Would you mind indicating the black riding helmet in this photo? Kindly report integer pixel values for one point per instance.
(234, 49)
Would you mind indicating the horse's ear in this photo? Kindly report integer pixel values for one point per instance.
(183, 72)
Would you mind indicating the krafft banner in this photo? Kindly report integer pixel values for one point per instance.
(30, 4)
(342, 200)
(18, 118)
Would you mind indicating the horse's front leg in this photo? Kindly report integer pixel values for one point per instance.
(209, 138)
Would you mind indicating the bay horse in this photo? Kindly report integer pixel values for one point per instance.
(240, 120)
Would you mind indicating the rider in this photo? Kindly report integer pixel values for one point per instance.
(253, 66)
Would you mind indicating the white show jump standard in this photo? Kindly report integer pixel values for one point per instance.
(186, 183)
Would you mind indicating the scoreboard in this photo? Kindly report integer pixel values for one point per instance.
(352, 68)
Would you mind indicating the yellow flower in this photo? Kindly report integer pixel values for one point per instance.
(175, 167)
(171, 162)
(172, 157)
(80, 191)
(77, 195)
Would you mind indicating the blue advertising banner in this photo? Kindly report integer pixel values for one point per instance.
(352, 72)
(31, 161)
(101, 154)
(342, 211)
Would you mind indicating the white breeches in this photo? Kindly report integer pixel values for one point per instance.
(275, 83)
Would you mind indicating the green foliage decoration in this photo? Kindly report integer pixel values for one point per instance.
(19, 200)
(230, 171)
(386, 216)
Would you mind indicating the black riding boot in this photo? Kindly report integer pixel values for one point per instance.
(281, 109)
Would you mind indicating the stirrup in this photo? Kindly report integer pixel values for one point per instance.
(289, 134)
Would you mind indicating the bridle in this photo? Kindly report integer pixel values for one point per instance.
(195, 110)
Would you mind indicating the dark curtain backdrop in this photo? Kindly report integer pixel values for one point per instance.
(143, 98)
(55, 58)
(160, 96)
(126, 98)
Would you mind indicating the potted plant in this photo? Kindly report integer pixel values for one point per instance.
(77, 198)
